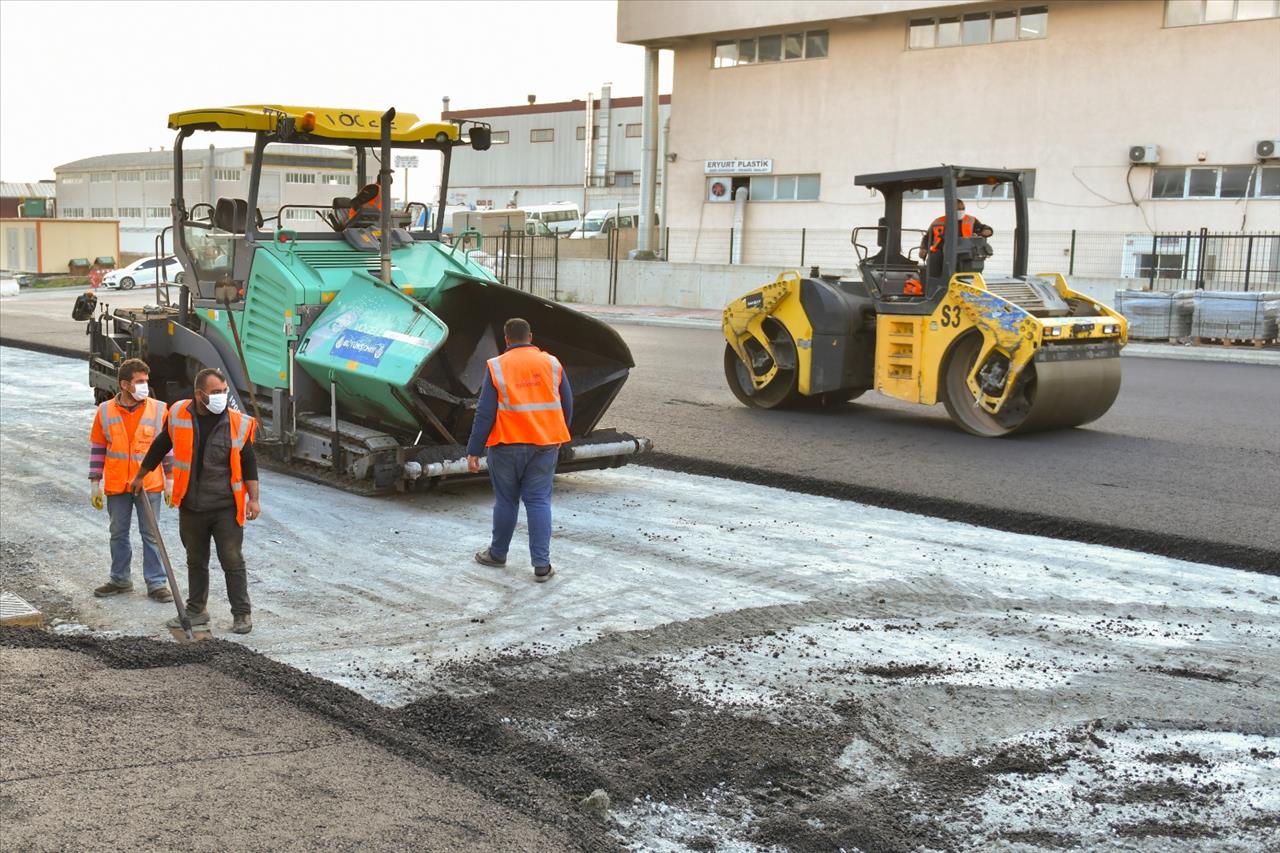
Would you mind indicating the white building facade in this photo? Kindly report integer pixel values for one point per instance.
(794, 99)
(136, 188)
(546, 153)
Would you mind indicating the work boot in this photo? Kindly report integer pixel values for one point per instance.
(196, 619)
(241, 624)
(111, 588)
(160, 593)
(543, 573)
(484, 558)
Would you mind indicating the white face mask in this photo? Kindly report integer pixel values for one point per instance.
(217, 402)
(140, 391)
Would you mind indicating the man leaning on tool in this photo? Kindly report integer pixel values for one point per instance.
(123, 428)
(215, 487)
(522, 417)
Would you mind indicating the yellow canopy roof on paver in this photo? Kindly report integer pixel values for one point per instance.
(331, 123)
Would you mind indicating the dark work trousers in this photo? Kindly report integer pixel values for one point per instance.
(197, 528)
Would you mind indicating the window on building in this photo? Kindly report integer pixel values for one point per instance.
(624, 179)
(191, 174)
(777, 47)
(336, 179)
(581, 133)
(784, 187)
(542, 134)
(101, 212)
(73, 213)
(980, 192)
(1216, 182)
(298, 214)
(128, 177)
(500, 137)
(299, 177)
(226, 174)
(99, 177)
(158, 175)
(73, 178)
(130, 213)
(1186, 13)
(1029, 22)
(633, 131)
(157, 213)
(769, 49)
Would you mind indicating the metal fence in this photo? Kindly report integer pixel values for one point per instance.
(524, 261)
(1193, 260)
(1190, 260)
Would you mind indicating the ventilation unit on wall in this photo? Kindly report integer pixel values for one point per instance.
(1144, 153)
(1266, 149)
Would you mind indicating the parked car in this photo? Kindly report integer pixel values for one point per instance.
(144, 273)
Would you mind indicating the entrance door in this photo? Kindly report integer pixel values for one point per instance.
(11, 248)
(30, 257)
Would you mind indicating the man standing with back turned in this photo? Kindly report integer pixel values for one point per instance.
(523, 417)
(215, 487)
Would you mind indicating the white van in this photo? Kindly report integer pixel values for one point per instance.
(598, 223)
(561, 217)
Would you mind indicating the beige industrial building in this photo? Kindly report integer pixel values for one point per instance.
(571, 151)
(136, 188)
(1128, 116)
(38, 245)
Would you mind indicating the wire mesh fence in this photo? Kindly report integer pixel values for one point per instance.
(1171, 262)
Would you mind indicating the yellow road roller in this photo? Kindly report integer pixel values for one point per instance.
(1004, 354)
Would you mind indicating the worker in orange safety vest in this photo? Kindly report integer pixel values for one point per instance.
(123, 429)
(215, 488)
(522, 418)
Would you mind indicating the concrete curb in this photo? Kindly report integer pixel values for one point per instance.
(1235, 355)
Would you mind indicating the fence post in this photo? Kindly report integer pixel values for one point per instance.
(1186, 256)
(1071, 263)
(666, 244)
(555, 270)
(803, 233)
(730, 245)
(1200, 259)
(1248, 262)
(1151, 268)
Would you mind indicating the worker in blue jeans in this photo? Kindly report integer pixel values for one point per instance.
(522, 418)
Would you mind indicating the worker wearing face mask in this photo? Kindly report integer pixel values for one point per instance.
(215, 487)
(123, 430)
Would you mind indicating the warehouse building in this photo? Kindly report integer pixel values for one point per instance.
(1127, 116)
(588, 154)
(136, 188)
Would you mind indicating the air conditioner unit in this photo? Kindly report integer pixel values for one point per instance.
(1267, 149)
(1144, 153)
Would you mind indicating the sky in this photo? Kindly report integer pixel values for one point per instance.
(81, 79)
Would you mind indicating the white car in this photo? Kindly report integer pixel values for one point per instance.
(144, 273)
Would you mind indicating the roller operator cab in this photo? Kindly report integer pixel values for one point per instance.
(361, 346)
(1004, 354)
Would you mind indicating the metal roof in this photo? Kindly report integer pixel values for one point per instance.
(932, 177)
(43, 189)
(164, 159)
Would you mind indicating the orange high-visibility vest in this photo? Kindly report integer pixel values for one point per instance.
(528, 383)
(375, 203)
(124, 457)
(182, 429)
(938, 228)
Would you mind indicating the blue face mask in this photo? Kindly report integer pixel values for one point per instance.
(217, 403)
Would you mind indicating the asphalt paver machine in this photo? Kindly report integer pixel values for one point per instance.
(1004, 354)
(360, 346)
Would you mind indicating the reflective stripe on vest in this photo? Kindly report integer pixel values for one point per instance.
(529, 411)
(939, 228)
